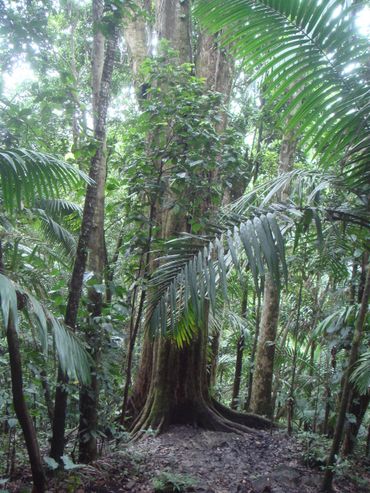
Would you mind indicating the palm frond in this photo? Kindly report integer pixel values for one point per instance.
(226, 316)
(337, 320)
(73, 357)
(58, 208)
(361, 374)
(55, 232)
(196, 265)
(303, 50)
(27, 175)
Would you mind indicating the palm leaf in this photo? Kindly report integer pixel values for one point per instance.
(59, 208)
(55, 232)
(73, 357)
(361, 374)
(28, 175)
(195, 266)
(303, 49)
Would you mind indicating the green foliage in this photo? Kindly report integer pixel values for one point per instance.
(169, 482)
(315, 449)
(174, 142)
(361, 374)
(195, 265)
(27, 175)
(73, 358)
(314, 66)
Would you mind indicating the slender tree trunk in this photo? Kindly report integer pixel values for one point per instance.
(358, 407)
(253, 352)
(292, 384)
(47, 395)
(89, 395)
(135, 324)
(357, 336)
(21, 409)
(279, 371)
(358, 403)
(262, 379)
(75, 288)
(239, 356)
(261, 398)
(238, 372)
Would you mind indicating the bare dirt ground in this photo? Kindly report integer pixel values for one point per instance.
(188, 459)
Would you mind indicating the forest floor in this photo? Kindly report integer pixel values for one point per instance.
(192, 460)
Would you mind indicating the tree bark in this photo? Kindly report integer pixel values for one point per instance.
(261, 402)
(173, 23)
(261, 398)
(137, 38)
(179, 392)
(19, 401)
(295, 354)
(253, 352)
(214, 351)
(358, 403)
(358, 407)
(47, 395)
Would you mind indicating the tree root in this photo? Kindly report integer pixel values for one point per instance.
(207, 415)
(246, 419)
(211, 419)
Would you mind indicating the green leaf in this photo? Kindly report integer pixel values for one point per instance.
(8, 299)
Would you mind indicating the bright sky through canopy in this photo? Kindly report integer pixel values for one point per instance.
(22, 71)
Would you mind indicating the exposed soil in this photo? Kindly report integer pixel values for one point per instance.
(208, 462)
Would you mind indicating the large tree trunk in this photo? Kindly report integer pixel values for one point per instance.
(87, 225)
(137, 38)
(178, 392)
(172, 385)
(173, 23)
